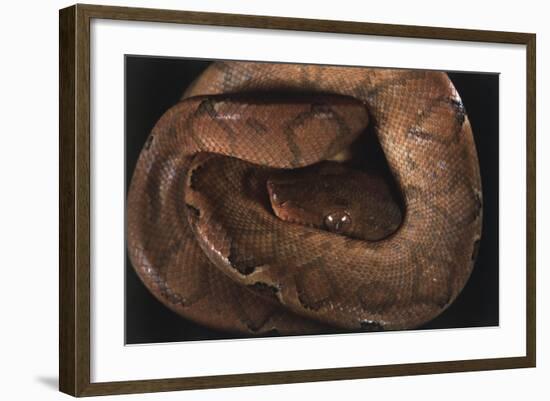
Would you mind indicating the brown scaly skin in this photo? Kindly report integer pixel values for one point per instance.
(204, 239)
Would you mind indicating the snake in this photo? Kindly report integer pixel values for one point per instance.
(242, 216)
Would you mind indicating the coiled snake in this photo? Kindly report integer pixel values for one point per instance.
(212, 223)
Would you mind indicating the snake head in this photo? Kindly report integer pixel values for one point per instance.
(310, 204)
(333, 198)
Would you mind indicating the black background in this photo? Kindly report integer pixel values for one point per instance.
(152, 85)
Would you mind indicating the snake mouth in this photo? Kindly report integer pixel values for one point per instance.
(286, 209)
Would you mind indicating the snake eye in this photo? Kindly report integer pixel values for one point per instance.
(338, 222)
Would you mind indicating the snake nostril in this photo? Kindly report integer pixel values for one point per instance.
(274, 194)
(196, 213)
(276, 198)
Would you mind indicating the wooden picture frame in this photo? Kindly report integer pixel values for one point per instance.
(74, 204)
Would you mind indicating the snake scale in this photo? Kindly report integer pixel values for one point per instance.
(205, 233)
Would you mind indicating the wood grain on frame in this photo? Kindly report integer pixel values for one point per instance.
(74, 199)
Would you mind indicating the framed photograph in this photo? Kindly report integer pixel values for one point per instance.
(250, 200)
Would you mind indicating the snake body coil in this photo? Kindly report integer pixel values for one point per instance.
(202, 234)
